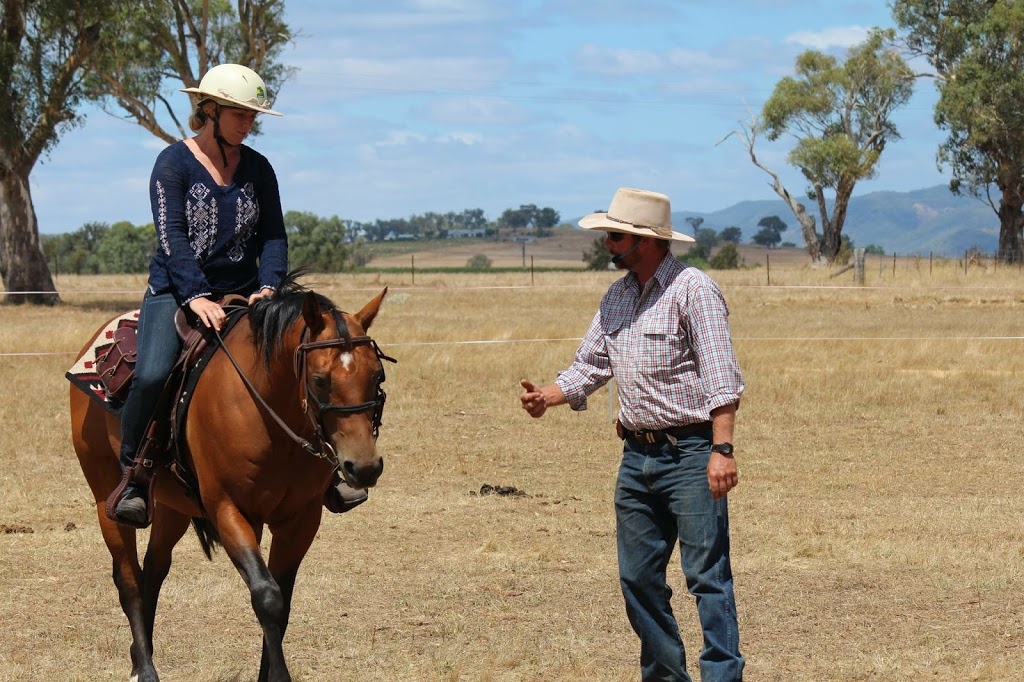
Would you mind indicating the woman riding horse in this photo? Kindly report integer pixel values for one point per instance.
(293, 396)
(220, 231)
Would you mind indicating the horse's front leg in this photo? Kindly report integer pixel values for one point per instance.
(289, 546)
(241, 543)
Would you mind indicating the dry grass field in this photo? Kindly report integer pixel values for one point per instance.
(877, 528)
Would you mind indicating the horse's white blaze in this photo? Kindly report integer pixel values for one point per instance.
(346, 360)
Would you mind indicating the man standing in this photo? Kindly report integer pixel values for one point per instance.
(662, 331)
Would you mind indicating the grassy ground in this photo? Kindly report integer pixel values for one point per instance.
(876, 528)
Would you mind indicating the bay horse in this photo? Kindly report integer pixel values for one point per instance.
(311, 365)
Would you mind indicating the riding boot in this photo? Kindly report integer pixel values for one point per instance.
(128, 503)
(341, 497)
(131, 510)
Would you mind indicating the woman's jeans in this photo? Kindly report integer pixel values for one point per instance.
(158, 350)
(662, 496)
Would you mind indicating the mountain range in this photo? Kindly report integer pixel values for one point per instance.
(931, 220)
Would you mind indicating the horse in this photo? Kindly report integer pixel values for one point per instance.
(263, 441)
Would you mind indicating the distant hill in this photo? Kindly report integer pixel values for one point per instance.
(923, 221)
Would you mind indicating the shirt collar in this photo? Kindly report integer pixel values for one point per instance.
(663, 275)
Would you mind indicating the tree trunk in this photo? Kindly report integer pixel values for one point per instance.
(22, 264)
(806, 220)
(1011, 221)
(832, 230)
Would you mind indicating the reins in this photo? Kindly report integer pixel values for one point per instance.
(299, 367)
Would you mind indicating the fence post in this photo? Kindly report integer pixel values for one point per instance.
(531, 271)
(858, 266)
(413, 257)
(768, 267)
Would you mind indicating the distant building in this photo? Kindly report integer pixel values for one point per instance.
(466, 234)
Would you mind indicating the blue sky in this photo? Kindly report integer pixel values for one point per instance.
(401, 107)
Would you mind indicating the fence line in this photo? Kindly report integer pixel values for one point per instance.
(395, 288)
(577, 339)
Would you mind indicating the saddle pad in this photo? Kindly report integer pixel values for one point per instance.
(84, 374)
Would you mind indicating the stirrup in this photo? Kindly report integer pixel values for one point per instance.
(340, 497)
(145, 491)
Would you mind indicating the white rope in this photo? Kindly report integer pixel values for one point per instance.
(577, 339)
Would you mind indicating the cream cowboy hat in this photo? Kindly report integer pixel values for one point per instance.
(639, 212)
(232, 85)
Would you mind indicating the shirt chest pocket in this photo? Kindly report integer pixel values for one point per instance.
(659, 345)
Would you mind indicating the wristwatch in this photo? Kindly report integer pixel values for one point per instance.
(723, 448)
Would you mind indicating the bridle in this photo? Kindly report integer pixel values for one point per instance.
(309, 396)
(323, 448)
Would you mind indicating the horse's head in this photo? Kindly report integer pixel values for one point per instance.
(341, 373)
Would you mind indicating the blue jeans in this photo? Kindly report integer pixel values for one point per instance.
(662, 496)
(158, 350)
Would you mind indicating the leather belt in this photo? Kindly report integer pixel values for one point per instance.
(669, 435)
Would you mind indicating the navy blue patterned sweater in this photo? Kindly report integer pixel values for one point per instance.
(214, 240)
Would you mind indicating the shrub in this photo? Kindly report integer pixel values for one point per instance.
(597, 256)
(479, 262)
(727, 258)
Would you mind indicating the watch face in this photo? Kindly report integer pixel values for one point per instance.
(724, 448)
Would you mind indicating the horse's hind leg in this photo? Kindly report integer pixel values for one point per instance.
(128, 579)
(90, 429)
(168, 528)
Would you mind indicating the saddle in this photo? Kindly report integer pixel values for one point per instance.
(159, 447)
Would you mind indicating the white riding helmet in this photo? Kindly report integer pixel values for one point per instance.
(232, 85)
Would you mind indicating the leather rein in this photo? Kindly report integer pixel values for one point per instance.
(323, 449)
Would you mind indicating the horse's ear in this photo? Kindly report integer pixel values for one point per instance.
(312, 315)
(370, 310)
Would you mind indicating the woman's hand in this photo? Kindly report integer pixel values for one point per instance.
(265, 292)
(209, 312)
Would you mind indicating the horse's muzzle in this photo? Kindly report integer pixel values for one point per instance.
(362, 475)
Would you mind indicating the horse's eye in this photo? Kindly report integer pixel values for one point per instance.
(322, 382)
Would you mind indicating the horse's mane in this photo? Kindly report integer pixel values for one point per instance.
(271, 317)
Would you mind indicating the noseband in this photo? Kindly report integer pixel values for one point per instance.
(309, 395)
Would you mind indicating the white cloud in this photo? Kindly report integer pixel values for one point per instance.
(618, 62)
(363, 76)
(697, 60)
(475, 111)
(836, 37)
(624, 11)
(463, 138)
(602, 61)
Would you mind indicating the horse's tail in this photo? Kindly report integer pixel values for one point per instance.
(209, 538)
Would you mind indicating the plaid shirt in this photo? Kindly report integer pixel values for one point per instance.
(668, 347)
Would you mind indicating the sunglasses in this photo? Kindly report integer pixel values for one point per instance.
(615, 236)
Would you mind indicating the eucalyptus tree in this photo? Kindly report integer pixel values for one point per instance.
(44, 45)
(152, 48)
(58, 55)
(975, 48)
(839, 115)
